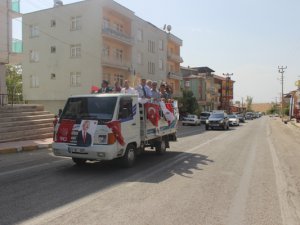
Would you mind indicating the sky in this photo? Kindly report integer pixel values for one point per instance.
(247, 38)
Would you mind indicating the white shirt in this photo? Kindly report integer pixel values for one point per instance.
(130, 90)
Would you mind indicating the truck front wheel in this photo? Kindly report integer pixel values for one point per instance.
(129, 157)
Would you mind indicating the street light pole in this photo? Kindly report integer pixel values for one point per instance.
(281, 70)
(227, 75)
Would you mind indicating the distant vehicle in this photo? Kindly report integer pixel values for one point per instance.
(249, 116)
(217, 120)
(233, 120)
(191, 120)
(241, 118)
(204, 116)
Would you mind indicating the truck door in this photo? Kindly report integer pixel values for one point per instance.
(128, 117)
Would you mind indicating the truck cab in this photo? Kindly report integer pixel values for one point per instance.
(110, 126)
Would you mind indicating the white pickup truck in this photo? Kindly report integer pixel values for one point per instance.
(100, 127)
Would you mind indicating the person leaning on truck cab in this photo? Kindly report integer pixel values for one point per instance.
(127, 89)
(143, 90)
(104, 87)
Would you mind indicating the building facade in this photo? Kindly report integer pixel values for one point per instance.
(70, 48)
(9, 47)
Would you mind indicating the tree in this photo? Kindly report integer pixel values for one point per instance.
(188, 103)
(249, 104)
(14, 83)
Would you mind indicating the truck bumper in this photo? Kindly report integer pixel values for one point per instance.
(96, 152)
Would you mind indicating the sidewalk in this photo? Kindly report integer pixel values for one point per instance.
(30, 145)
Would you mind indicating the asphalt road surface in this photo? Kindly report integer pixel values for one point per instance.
(247, 175)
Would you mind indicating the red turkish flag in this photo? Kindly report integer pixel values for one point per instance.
(152, 111)
(170, 107)
(64, 131)
(94, 89)
(115, 127)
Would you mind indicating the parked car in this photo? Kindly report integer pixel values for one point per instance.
(241, 118)
(204, 116)
(233, 120)
(249, 116)
(217, 120)
(191, 120)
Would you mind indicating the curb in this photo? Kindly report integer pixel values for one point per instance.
(26, 148)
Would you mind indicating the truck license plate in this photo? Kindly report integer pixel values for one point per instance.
(77, 150)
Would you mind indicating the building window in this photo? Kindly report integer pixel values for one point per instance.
(161, 45)
(76, 23)
(139, 35)
(75, 51)
(160, 64)
(52, 23)
(140, 58)
(151, 46)
(151, 68)
(119, 54)
(106, 23)
(52, 49)
(120, 78)
(33, 56)
(105, 51)
(187, 83)
(75, 79)
(34, 31)
(119, 27)
(34, 81)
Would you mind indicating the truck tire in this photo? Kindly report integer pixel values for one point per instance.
(79, 162)
(161, 147)
(129, 157)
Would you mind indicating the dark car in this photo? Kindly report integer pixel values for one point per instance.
(249, 116)
(241, 118)
(204, 116)
(217, 120)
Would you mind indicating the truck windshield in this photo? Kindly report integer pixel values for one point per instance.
(90, 108)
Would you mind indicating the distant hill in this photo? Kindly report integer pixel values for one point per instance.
(261, 107)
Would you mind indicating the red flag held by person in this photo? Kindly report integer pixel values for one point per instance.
(152, 111)
(115, 127)
(65, 131)
(94, 89)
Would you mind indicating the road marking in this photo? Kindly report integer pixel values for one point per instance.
(288, 212)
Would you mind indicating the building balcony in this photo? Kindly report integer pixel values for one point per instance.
(174, 57)
(117, 35)
(174, 39)
(115, 63)
(175, 76)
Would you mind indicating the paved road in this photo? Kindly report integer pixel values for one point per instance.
(247, 175)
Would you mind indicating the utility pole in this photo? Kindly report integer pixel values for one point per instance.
(281, 70)
(227, 75)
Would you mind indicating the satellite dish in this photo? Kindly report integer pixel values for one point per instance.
(169, 28)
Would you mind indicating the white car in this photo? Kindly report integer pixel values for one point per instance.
(191, 120)
(233, 120)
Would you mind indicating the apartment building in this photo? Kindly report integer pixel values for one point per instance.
(69, 48)
(9, 47)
